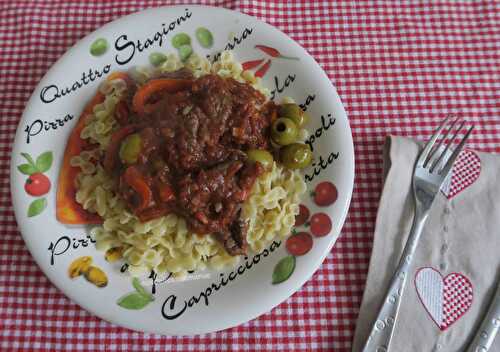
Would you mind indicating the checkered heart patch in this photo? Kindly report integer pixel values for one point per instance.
(466, 170)
(445, 299)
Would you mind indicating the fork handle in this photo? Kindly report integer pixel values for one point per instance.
(483, 341)
(382, 329)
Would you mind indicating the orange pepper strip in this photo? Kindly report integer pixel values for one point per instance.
(118, 75)
(68, 211)
(154, 86)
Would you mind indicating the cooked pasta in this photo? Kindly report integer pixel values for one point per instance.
(165, 244)
(272, 206)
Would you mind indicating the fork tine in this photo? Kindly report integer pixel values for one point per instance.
(443, 154)
(441, 141)
(451, 160)
(431, 142)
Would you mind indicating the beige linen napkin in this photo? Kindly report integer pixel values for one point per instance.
(457, 262)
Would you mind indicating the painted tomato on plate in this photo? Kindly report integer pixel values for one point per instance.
(325, 194)
(299, 243)
(321, 225)
(37, 184)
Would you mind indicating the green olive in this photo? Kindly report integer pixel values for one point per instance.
(305, 118)
(262, 156)
(296, 156)
(130, 149)
(284, 131)
(295, 113)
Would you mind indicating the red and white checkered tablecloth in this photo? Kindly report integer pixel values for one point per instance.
(399, 67)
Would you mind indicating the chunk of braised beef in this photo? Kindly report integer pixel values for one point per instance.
(210, 197)
(182, 73)
(235, 241)
(193, 154)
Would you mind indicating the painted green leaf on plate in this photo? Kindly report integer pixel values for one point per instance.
(140, 289)
(284, 269)
(29, 158)
(44, 161)
(27, 169)
(134, 300)
(37, 206)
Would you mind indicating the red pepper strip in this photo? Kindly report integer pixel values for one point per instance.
(201, 217)
(136, 181)
(274, 52)
(251, 64)
(166, 193)
(263, 69)
(110, 158)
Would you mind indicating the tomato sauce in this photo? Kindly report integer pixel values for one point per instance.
(192, 158)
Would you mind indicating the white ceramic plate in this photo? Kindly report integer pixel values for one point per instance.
(43, 131)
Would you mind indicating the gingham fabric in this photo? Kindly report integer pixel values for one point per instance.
(399, 67)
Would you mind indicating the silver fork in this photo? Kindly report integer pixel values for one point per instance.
(431, 169)
(483, 341)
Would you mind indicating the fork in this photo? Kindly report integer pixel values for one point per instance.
(431, 169)
(483, 341)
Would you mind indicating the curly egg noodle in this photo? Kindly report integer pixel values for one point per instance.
(165, 244)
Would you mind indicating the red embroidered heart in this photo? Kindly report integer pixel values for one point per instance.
(465, 172)
(445, 299)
